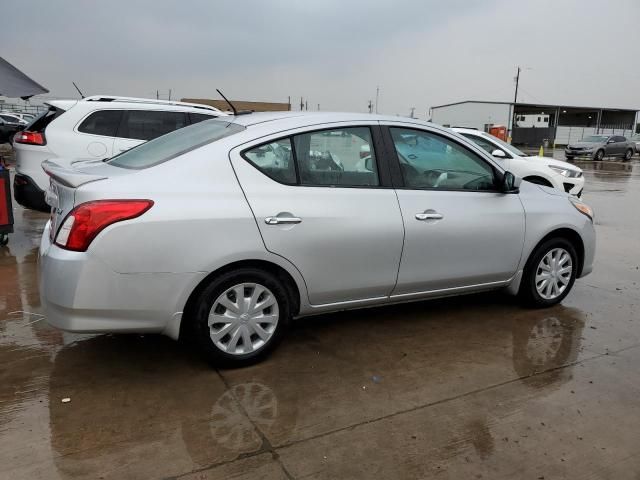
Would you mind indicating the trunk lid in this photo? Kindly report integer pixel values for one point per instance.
(65, 177)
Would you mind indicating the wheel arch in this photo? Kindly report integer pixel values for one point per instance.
(572, 237)
(287, 279)
(539, 179)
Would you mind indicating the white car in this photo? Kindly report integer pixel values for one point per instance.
(12, 118)
(25, 117)
(95, 127)
(539, 170)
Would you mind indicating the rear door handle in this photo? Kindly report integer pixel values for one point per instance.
(429, 216)
(281, 220)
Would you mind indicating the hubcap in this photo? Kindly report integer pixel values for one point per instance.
(243, 318)
(554, 273)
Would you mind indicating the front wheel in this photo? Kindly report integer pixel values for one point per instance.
(241, 316)
(568, 157)
(599, 155)
(628, 154)
(549, 273)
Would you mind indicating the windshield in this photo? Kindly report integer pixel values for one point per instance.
(173, 144)
(595, 139)
(507, 146)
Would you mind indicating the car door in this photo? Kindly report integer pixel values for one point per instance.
(139, 126)
(621, 145)
(460, 231)
(328, 211)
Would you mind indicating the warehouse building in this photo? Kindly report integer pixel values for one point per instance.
(531, 124)
(242, 105)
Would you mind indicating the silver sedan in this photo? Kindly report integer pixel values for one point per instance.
(226, 230)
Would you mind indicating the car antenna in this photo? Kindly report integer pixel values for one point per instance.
(81, 94)
(235, 112)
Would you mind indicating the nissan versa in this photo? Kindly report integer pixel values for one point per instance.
(224, 231)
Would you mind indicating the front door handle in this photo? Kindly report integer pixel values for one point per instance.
(281, 220)
(429, 215)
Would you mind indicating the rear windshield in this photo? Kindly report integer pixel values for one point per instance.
(174, 144)
(41, 122)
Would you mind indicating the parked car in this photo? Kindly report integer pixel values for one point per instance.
(541, 170)
(26, 118)
(95, 127)
(596, 147)
(194, 234)
(8, 128)
(13, 118)
(635, 138)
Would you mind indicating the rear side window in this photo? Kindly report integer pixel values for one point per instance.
(150, 124)
(275, 160)
(199, 117)
(102, 122)
(341, 157)
(174, 144)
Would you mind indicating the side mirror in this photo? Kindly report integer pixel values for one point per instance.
(510, 183)
(499, 153)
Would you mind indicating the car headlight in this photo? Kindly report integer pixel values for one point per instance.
(562, 171)
(582, 207)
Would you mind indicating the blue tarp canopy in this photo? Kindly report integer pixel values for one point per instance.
(14, 83)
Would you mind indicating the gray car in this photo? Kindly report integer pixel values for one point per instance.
(596, 147)
(225, 230)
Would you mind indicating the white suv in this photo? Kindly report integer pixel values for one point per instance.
(539, 170)
(95, 127)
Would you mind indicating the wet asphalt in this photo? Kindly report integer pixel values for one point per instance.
(468, 387)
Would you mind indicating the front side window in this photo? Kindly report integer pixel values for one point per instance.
(483, 143)
(429, 161)
(339, 157)
(150, 124)
(102, 122)
(275, 160)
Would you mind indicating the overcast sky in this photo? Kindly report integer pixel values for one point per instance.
(333, 52)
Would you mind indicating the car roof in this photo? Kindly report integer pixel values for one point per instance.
(304, 117)
(114, 101)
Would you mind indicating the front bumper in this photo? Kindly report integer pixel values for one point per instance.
(578, 153)
(28, 194)
(80, 293)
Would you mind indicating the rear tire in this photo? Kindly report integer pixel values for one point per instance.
(548, 263)
(627, 155)
(253, 339)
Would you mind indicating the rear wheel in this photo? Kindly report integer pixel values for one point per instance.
(628, 154)
(599, 155)
(241, 316)
(549, 273)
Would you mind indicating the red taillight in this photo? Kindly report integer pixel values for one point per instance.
(87, 220)
(30, 138)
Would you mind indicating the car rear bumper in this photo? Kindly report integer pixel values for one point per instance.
(79, 293)
(27, 193)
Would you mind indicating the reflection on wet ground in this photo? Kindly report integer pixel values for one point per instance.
(473, 387)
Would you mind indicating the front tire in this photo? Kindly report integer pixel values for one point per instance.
(549, 273)
(241, 316)
(599, 155)
(568, 157)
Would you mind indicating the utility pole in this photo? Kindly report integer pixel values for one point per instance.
(370, 106)
(318, 107)
(515, 99)
(157, 95)
(306, 105)
(377, 96)
(301, 104)
(289, 102)
(413, 109)
(169, 94)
